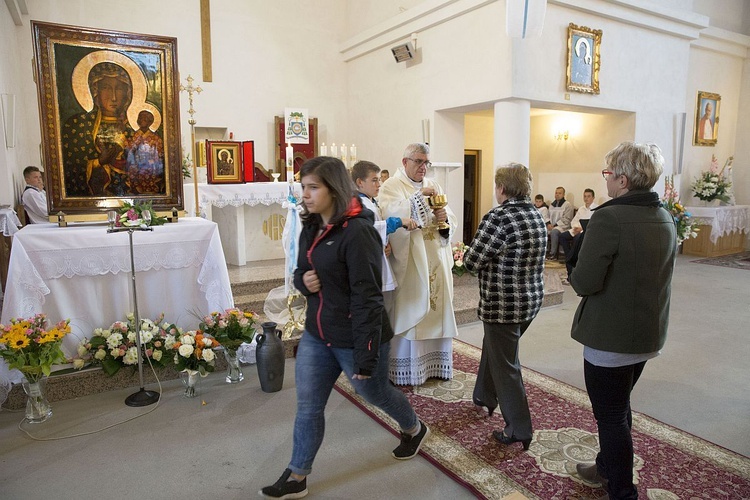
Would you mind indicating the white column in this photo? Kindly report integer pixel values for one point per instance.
(512, 131)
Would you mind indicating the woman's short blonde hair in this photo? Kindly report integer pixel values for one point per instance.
(641, 163)
(515, 180)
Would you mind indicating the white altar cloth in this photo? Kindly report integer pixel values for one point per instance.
(9, 222)
(723, 220)
(83, 273)
(250, 217)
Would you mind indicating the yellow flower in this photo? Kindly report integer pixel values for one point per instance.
(16, 341)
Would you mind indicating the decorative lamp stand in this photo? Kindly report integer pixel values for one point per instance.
(142, 397)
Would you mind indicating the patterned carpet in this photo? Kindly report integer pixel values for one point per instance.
(735, 261)
(669, 465)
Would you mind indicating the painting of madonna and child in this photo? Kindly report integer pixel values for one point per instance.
(114, 108)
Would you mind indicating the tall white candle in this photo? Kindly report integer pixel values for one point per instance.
(334, 150)
(323, 149)
(289, 163)
(353, 154)
(342, 151)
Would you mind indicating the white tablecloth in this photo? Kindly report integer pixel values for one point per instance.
(9, 222)
(236, 195)
(83, 273)
(723, 220)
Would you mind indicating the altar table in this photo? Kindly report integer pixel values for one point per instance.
(723, 230)
(81, 272)
(250, 217)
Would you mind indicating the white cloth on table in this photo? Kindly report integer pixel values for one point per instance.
(83, 273)
(9, 222)
(723, 220)
(236, 195)
(421, 307)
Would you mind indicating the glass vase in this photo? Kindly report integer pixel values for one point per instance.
(234, 371)
(37, 407)
(190, 379)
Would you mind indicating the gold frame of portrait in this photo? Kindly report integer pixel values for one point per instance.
(63, 58)
(213, 149)
(708, 96)
(593, 52)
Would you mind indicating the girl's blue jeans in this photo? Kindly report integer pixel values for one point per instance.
(317, 368)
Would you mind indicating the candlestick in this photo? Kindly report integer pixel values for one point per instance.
(289, 162)
(323, 150)
(334, 150)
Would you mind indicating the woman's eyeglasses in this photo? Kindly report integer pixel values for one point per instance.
(605, 173)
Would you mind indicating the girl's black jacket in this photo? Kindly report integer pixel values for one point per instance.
(348, 310)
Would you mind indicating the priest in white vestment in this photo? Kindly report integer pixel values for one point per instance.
(421, 307)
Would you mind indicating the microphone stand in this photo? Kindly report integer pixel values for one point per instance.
(142, 397)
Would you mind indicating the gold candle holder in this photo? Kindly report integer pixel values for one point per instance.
(439, 201)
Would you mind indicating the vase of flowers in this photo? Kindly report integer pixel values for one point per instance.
(459, 248)
(231, 329)
(191, 381)
(193, 356)
(117, 346)
(711, 185)
(684, 223)
(29, 346)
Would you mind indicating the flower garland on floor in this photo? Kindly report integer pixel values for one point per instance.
(711, 184)
(32, 348)
(684, 223)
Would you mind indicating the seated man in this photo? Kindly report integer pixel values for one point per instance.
(34, 199)
(560, 214)
(569, 239)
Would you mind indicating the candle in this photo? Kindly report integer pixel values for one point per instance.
(289, 163)
(334, 150)
(343, 153)
(323, 150)
(353, 154)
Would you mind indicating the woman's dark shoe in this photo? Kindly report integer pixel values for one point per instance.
(480, 407)
(500, 436)
(590, 474)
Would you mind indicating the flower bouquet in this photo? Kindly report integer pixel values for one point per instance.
(231, 328)
(117, 345)
(459, 249)
(194, 357)
(29, 346)
(711, 184)
(131, 214)
(684, 223)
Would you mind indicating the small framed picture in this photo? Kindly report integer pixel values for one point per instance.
(706, 131)
(224, 162)
(584, 61)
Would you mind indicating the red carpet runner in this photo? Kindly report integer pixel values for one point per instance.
(669, 465)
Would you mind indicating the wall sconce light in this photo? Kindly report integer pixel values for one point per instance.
(406, 51)
(562, 135)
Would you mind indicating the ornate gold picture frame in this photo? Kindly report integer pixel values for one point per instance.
(224, 162)
(584, 59)
(109, 113)
(706, 129)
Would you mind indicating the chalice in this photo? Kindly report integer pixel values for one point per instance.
(439, 201)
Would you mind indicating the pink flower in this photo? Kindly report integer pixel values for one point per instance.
(132, 215)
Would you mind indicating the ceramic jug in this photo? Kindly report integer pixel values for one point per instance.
(270, 358)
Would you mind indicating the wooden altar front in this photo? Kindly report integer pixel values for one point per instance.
(722, 230)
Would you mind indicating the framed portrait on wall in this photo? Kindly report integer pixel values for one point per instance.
(706, 130)
(584, 60)
(109, 113)
(224, 162)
